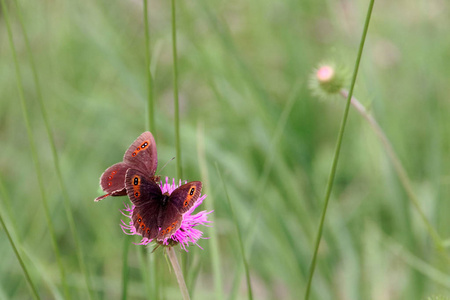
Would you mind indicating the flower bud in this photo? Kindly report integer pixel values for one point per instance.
(327, 80)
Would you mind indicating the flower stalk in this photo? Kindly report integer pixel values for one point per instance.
(398, 167)
(178, 273)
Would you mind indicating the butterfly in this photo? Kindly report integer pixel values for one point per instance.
(158, 215)
(141, 155)
(155, 215)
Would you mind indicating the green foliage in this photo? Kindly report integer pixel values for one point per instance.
(239, 64)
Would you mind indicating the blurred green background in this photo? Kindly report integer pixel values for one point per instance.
(240, 62)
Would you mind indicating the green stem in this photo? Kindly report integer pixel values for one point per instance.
(337, 151)
(215, 249)
(177, 107)
(144, 269)
(175, 91)
(150, 101)
(262, 182)
(156, 281)
(19, 258)
(125, 270)
(178, 273)
(398, 167)
(34, 153)
(69, 214)
(241, 244)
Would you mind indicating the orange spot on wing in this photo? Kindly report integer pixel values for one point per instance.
(187, 201)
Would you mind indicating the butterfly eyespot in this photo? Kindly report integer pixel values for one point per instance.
(134, 154)
(192, 191)
(142, 226)
(136, 194)
(109, 183)
(139, 220)
(109, 177)
(144, 145)
(186, 203)
(113, 173)
(148, 231)
(136, 180)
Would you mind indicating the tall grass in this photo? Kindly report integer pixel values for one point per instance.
(33, 150)
(243, 103)
(20, 259)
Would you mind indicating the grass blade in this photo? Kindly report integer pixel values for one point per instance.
(150, 100)
(34, 152)
(241, 244)
(125, 270)
(337, 151)
(215, 252)
(175, 91)
(19, 258)
(262, 181)
(69, 214)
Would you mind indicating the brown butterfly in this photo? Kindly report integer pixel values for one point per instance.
(158, 215)
(141, 155)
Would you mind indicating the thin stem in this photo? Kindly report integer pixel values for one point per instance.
(156, 281)
(150, 101)
(177, 106)
(262, 181)
(337, 151)
(178, 273)
(215, 249)
(19, 258)
(69, 214)
(144, 269)
(175, 91)
(398, 167)
(125, 269)
(34, 153)
(241, 244)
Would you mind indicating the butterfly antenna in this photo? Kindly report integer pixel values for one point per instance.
(166, 164)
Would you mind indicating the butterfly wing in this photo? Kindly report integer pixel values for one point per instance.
(142, 154)
(170, 220)
(184, 197)
(112, 181)
(179, 202)
(146, 196)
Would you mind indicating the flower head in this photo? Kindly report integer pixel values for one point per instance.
(327, 80)
(185, 234)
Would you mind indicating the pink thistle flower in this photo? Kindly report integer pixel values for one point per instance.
(185, 234)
